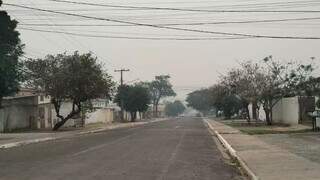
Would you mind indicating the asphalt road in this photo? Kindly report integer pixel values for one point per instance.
(179, 149)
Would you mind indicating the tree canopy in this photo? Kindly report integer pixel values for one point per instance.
(135, 98)
(76, 78)
(10, 51)
(175, 108)
(160, 88)
(200, 100)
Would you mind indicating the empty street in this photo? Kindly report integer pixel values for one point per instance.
(174, 149)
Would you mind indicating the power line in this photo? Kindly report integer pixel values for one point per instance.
(181, 24)
(183, 9)
(127, 37)
(164, 27)
(272, 4)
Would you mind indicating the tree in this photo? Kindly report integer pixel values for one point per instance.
(217, 93)
(200, 100)
(245, 83)
(10, 51)
(283, 80)
(231, 105)
(174, 108)
(266, 84)
(135, 99)
(77, 78)
(160, 88)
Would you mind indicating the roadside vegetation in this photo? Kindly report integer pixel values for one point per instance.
(135, 98)
(260, 84)
(174, 109)
(11, 49)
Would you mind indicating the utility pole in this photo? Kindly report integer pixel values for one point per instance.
(121, 84)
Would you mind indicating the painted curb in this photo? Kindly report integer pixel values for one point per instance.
(22, 143)
(233, 153)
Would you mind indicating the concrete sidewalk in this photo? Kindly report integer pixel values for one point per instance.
(266, 161)
(9, 140)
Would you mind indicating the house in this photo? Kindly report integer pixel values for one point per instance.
(290, 110)
(28, 109)
(102, 112)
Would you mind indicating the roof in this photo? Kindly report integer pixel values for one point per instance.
(23, 93)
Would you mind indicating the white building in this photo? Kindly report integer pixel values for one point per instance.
(291, 110)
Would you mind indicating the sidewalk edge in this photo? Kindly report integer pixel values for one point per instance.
(22, 143)
(233, 153)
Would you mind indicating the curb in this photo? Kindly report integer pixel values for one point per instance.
(22, 143)
(233, 153)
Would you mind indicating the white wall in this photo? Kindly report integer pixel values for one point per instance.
(104, 115)
(261, 114)
(101, 115)
(287, 111)
(284, 111)
(316, 99)
(45, 100)
(17, 117)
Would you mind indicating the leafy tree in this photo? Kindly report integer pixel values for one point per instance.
(283, 80)
(135, 99)
(245, 83)
(200, 100)
(77, 78)
(160, 88)
(216, 96)
(299, 80)
(174, 108)
(231, 105)
(10, 51)
(265, 84)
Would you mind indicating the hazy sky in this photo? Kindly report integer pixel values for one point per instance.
(192, 64)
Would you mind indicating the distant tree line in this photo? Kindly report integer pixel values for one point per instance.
(174, 109)
(138, 97)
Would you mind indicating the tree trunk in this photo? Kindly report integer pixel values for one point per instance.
(268, 115)
(133, 116)
(63, 120)
(59, 124)
(248, 113)
(156, 106)
(1, 102)
(156, 112)
(254, 110)
(271, 114)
